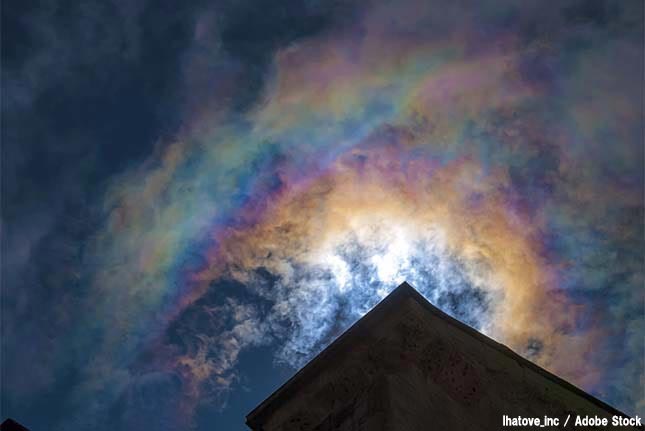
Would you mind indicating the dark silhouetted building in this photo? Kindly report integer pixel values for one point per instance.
(406, 365)
(11, 425)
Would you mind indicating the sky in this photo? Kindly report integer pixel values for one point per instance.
(197, 197)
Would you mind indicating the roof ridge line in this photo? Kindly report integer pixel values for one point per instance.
(406, 290)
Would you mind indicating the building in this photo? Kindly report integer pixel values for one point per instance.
(11, 425)
(406, 365)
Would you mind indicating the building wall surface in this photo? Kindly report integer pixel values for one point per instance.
(408, 369)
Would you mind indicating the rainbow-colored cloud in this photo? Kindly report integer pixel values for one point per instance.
(490, 155)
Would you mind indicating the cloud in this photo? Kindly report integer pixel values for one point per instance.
(469, 152)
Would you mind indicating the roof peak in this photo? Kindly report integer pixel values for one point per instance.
(399, 294)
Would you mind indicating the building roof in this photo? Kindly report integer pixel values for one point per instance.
(403, 292)
(11, 425)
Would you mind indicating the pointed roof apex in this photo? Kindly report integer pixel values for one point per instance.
(389, 304)
(405, 288)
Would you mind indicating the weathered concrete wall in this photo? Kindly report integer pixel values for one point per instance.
(410, 369)
(350, 392)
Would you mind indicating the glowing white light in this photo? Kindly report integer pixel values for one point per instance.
(390, 264)
(339, 270)
(349, 273)
(382, 292)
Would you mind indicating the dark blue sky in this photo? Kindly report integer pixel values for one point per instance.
(89, 89)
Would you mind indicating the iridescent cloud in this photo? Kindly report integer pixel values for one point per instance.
(494, 164)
